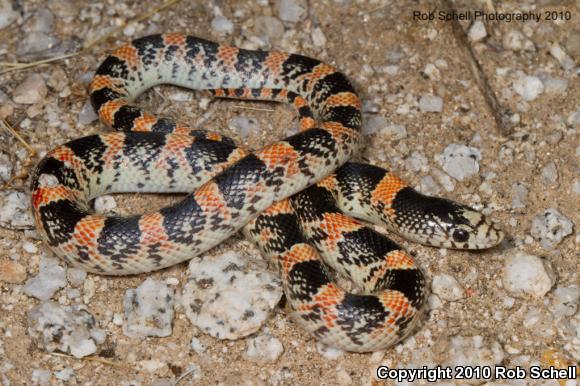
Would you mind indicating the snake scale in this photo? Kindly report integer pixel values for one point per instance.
(299, 200)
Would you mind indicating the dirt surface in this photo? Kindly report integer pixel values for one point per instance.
(386, 53)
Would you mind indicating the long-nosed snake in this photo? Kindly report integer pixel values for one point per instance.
(234, 189)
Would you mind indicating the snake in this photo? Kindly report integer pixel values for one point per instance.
(302, 200)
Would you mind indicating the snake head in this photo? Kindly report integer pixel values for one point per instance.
(443, 223)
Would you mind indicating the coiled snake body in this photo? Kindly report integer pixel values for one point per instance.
(234, 189)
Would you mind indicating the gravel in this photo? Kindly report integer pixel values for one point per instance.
(222, 25)
(477, 31)
(550, 173)
(520, 195)
(515, 40)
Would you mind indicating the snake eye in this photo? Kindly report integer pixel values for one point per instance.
(460, 235)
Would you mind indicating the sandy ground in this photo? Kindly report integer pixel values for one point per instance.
(363, 39)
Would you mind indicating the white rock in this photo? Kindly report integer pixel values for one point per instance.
(269, 27)
(69, 329)
(149, 310)
(549, 173)
(394, 132)
(87, 114)
(460, 161)
(528, 87)
(417, 162)
(31, 90)
(432, 71)
(222, 24)
(520, 195)
(76, 276)
(51, 277)
(38, 44)
(373, 124)
(477, 31)
(428, 186)
(5, 168)
(553, 85)
(431, 104)
(226, 299)
(8, 14)
(264, 349)
(565, 301)
(41, 377)
(245, 126)
(64, 374)
(576, 187)
(29, 247)
(550, 228)
(447, 288)
(197, 346)
(562, 57)
(292, 10)
(318, 37)
(329, 352)
(527, 275)
(443, 179)
(105, 204)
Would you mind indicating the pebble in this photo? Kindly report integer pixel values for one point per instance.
(550, 228)
(328, 352)
(41, 377)
(105, 204)
(477, 31)
(432, 71)
(460, 161)
(520, 195)
(431, 104)
(318, 38)
(528, 87)
(447, 288)
(36, 45)
(394, 132)
(515, 40)
(373, 124)
(5, 168)
(565, 301)
(197, 346)
(43, 21)
(68, 329)
(428, 186)
(87, 114)
(292, 10)
(264, 349)
(31, 90)
(149, 310)
(416, 162)
(527, 275)
(576, 187)
(222, 25)
(64, 374)
(8, 14)
(244, 126)
(12, 272)
(553, 85)
(227, 299)
(51, 277)
(562, 57)
(76, 276)
(444, 180)
(549, 173)
(470, 350)
(29, 247)
(269, 27)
